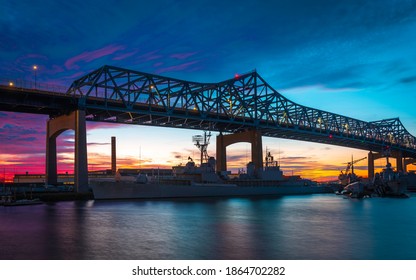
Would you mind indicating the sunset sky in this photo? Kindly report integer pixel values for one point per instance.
(351, 57)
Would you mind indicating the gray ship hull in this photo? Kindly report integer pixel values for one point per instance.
(131, 190)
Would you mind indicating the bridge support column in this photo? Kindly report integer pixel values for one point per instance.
(51, 161)
(371, 158)
(399, 162)
(221, 154)
(370, 165)
(75, 121)
(251, 136)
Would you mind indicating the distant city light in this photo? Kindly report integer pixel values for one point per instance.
(11, 84)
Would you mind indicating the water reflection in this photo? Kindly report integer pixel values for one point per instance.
(294, 227)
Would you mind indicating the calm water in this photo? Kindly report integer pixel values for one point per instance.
(292, 227)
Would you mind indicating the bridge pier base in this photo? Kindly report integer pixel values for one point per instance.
(251, 136)
(76, 121)
(371, 158)
(408, 161)
(401, 163)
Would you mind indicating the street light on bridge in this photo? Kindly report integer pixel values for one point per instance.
(35, 68)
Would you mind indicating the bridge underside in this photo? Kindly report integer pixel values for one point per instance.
(243, 103)
(193, 120)
(33, 101)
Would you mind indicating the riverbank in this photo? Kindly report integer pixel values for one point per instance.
(42, 192)
(56, 196)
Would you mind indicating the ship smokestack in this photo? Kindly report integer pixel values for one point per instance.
(113, 155)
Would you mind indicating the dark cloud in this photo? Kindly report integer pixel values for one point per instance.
(357, 167)
(98, 144)
(28, 139)
(407, 80)
(12, 129)
(294, 158)
(238, 159)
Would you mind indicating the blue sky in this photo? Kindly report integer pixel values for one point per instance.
(354, 58)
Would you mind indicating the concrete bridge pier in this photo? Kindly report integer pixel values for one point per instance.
(408, 161)
(370, 165)
(401, 162)
(76, 121)
(371, 158)
(250, 136)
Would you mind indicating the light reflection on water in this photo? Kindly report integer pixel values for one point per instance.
(292, 227)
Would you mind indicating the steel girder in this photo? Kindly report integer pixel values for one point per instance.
(245, 102)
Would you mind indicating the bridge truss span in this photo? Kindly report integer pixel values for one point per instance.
(245, 102)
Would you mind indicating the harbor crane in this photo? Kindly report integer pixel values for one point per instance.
(350, 165)
(347, 178)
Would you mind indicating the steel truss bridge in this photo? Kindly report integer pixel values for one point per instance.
(246, 102)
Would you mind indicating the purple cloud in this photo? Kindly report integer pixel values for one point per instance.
(150, 56)
(157, 64)
(179, 67)
(125, 55)
(182, 55)
(101, 125)
(76, 75)
(89, 56)
(54, 69)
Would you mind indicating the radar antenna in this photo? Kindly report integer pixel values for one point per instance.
(202, 143)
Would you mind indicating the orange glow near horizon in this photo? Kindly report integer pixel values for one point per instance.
(151, 147)
(314, 172)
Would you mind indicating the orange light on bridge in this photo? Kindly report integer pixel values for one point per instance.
(35, 69)
(11, 84)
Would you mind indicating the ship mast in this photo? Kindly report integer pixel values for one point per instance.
(202, 143)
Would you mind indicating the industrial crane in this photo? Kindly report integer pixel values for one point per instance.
(346, 178)
(351, 164)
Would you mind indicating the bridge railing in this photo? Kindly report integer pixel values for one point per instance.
(32, 85)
